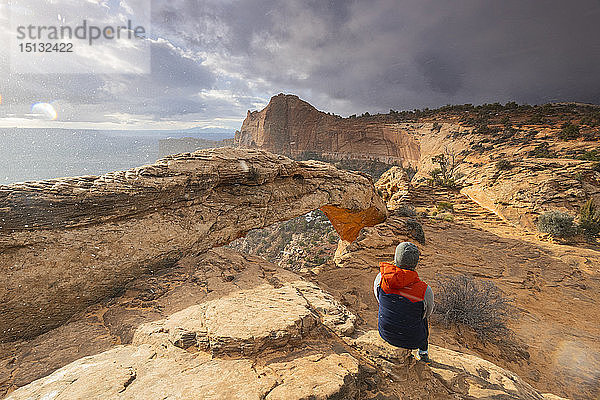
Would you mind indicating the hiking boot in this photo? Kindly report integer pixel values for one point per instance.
(425, 358)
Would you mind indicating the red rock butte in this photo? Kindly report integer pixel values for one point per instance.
(291, 126)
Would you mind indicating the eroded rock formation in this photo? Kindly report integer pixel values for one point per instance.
(291, 126)
(519, 194)
(67, 243)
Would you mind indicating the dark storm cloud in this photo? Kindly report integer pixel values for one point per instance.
(215, 59)
(382, 53)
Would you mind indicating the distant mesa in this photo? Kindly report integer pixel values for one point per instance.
(554, 169)
(170, 146)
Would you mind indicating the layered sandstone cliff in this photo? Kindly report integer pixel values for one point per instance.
(67, 243)
(291, 126)
(531, 186)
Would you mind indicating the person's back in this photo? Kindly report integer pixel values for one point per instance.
(405, 302)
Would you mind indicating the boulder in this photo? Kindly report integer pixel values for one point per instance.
(172, 358)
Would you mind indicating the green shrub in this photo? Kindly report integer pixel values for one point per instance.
(589, 218)
(592, 155)
(444, 206)
(405, 210)
(503, 165)
(415, 230)
(557, 223)
(477, 304)
(445, 216)
(542, 151)
(569, 132)
(590, 136)
(445, 174)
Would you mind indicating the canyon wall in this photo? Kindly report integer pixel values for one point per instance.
(291, 127)
(530, 186)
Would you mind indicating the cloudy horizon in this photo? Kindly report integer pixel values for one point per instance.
(213, 60)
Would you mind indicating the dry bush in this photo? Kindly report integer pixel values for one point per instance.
(556, 223)
(478, 304)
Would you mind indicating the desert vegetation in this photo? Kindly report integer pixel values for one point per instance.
(570, 131)
(565, 226)
(305, 241)
(503, 165)
(557, 223)
(446, 172)
(477, 304)
(589, 219)
(542, 150)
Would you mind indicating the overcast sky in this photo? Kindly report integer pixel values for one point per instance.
(212, 60)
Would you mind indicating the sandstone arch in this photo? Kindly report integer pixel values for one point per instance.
(66, 243)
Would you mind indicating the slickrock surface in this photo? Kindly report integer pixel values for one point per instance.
(394, 186)
(463, 375)
(67, 243)
(145, 372)
(247, 322)
(554, 348)
(157, 365)
(161, 363)
(533, 186)
(473, 377)
(192, 281)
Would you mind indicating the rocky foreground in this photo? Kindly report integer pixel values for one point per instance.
(278, 337)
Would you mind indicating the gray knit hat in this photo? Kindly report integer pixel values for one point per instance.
(407, 255)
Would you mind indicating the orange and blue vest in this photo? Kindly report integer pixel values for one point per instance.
(401, 307)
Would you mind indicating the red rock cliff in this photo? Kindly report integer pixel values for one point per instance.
(291, 126)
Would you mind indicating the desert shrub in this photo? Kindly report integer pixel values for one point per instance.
(536, 119)
(445, 216)
(447, 168)
(415, 230)
(405, 210)
(591, 136)
(557, 223)
(478, 304)
(591, 155)
(503, 165)
(542, 151)
(444, 206)
(570, 131)
(589, 218)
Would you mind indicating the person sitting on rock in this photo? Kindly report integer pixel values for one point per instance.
(405, 302)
